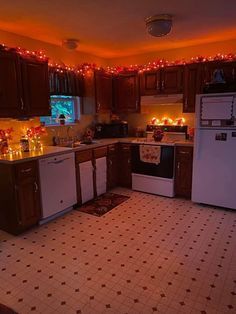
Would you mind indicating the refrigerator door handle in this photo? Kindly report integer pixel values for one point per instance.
(197, 147)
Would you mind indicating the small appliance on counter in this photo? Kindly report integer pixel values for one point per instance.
(109, 130)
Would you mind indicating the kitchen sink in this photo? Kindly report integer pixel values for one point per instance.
(77, 144)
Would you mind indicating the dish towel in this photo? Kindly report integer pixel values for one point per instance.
(150, 153)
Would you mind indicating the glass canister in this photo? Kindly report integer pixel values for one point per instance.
(24, 144)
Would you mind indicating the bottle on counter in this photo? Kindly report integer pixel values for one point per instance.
(24, 144)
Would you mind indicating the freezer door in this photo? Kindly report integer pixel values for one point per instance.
(214, 168)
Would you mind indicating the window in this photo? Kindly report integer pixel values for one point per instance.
(65, 105)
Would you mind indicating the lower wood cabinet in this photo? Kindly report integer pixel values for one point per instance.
(183, 171)
(20, 205)
(124, 166)
(112, 166)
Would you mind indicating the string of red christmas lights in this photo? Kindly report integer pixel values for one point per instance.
(86, 67)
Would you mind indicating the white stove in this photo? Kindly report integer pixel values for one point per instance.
(156, 178)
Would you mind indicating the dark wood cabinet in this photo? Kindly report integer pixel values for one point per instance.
(65, 82)
(124, 166)
(172, 80)
(24, 86)
(183, 171)
(35, 88)
(20, 196)
(168, 80)
(193, 85)
(103, 91)
(126, 93)
(228, 68)
(112, 166)
(10, 85)
(150, 82)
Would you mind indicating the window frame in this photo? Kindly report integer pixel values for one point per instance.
(77, 110)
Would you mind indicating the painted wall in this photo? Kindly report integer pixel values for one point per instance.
(56, 53)
(177, 54)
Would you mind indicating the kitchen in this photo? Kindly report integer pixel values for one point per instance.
(39, 185)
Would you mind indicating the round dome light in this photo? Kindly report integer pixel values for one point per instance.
(159, 25)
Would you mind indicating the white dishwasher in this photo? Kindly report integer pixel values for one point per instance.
(58, 185)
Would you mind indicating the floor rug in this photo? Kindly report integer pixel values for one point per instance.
(103, 204)
(6, 310)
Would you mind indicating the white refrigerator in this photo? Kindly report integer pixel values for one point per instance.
(214, 162)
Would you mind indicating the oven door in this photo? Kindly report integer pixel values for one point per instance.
(165, 169)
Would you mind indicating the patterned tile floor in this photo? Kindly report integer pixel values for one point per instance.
(148, 255)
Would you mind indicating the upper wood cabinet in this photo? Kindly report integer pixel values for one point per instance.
(172, 80)
(103, 91)
(65, 82)
(35, 100)
(228, 67)
(168, 80)
(24, 86)
(126, 92)
(10, 85)
(193, 84)
(150, 82)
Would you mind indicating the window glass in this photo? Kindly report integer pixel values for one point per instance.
(62, 105)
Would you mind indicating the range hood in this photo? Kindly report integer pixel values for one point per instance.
(162, 100)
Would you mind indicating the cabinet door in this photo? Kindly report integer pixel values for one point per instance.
(35, 87)
(183, 171)
(10, 85)
(172, 80)
(27, 194)
(103, 87)
(125, 177)
(126, 93)
(150, 83)
(229, 71)
(112, 166)
(193, 84)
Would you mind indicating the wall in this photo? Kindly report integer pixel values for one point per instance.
(186, 53)
(172, 111)
(56, 53)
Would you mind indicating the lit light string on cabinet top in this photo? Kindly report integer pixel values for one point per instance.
(88, 67)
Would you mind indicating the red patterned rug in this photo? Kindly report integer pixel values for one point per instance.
(6, 310)
(103, 204)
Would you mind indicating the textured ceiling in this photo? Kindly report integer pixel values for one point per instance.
(112, 28)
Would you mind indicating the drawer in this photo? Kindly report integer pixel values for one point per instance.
(26, 170)
(184, 151)
(83, 156)
(100, 152)
(112, 149)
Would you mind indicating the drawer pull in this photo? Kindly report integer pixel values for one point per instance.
(183, 152)
(36, 187)
(125, 148)
(26, 170)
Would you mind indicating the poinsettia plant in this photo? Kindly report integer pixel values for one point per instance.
(35, 131)
(158, 134)
(6, 134)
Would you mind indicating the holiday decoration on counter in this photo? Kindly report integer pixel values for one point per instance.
(5, 135)
(168, 121)
(34, 135)
(88, 136)
(158, 134)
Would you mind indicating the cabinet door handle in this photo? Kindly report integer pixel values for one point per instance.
(178, 165)
(183, 152)
(157, 84)
(128, 161)
(99, 106)
(110, 162)
(26, 170)
(163, 84)
(22, 104)
(36, 188)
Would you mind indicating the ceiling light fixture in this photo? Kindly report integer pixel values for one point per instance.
(159, 25)
(70, 43)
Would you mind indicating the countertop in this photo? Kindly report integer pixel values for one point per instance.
(48, 151)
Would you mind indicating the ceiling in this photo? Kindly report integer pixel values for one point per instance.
(116, 28)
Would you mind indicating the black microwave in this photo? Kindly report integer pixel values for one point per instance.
(108, 130)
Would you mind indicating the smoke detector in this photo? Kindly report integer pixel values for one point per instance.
(159, 25)
(70, 43)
